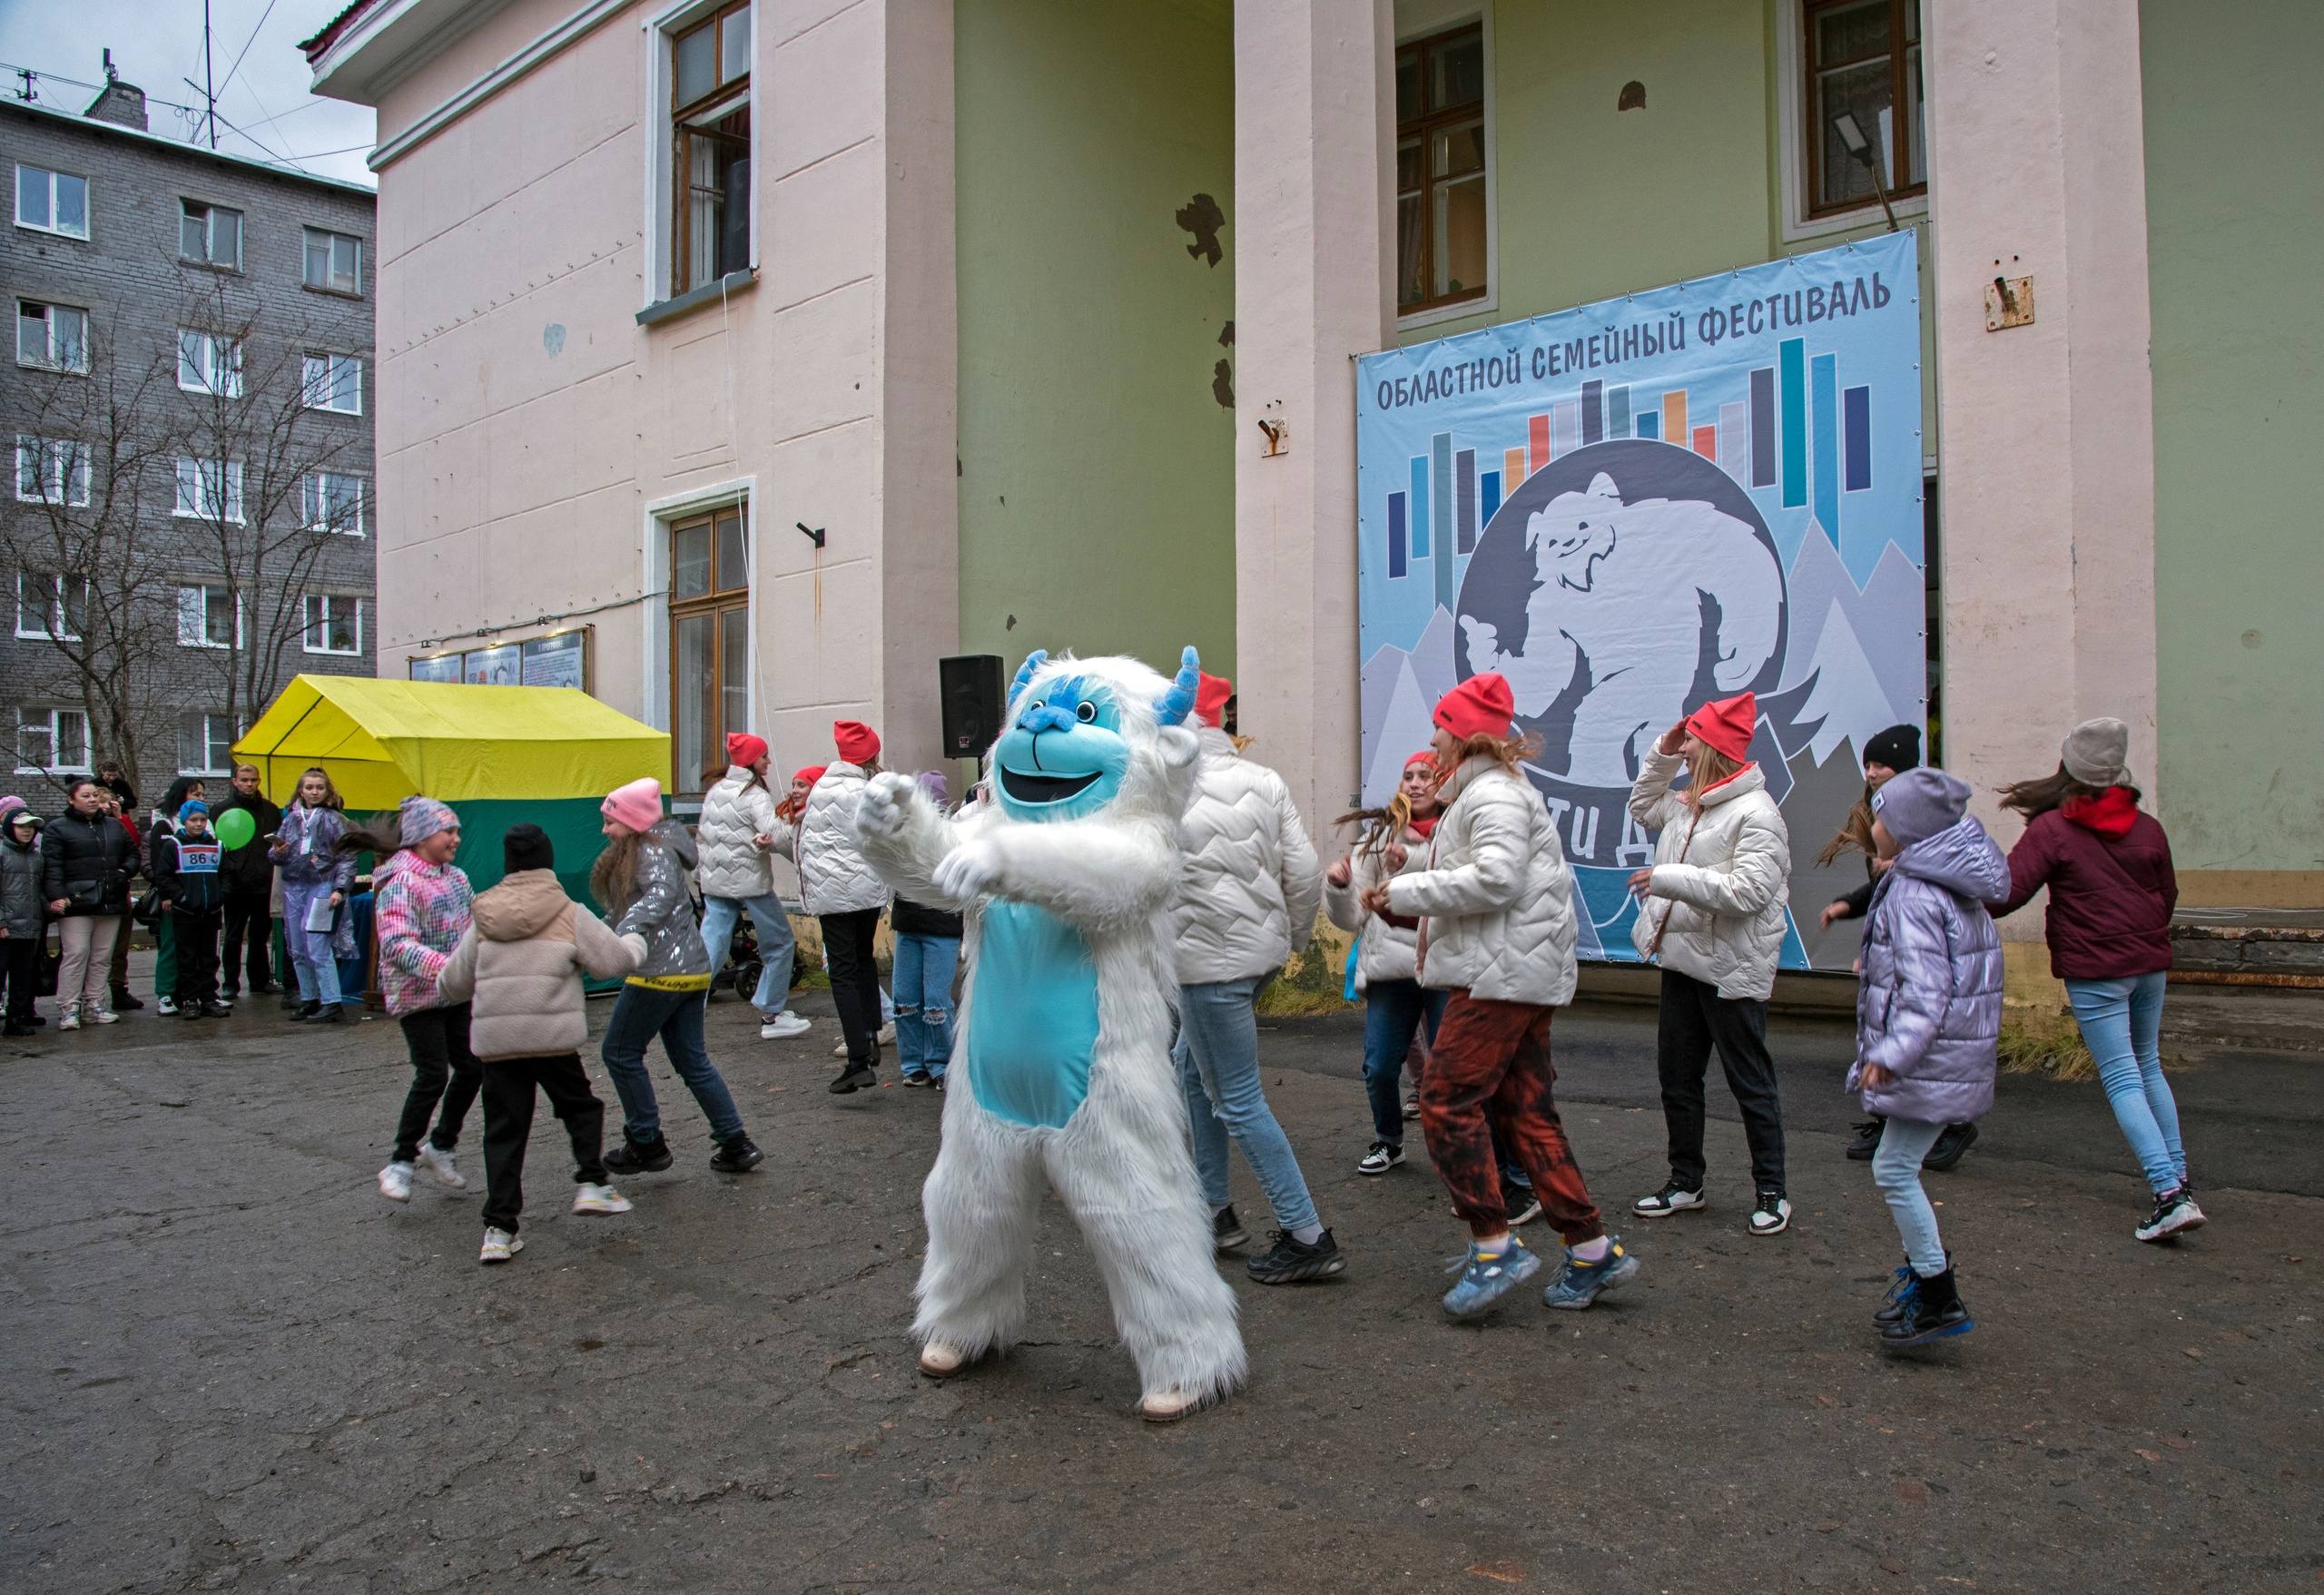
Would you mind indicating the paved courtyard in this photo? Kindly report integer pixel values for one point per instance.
(229, 1364)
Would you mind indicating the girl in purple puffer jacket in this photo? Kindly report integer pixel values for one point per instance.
(1928, 1022)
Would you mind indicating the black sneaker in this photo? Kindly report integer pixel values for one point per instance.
(125, 1002)
(1934, 1312)
(630, 1157)
(1289, 1261)
(307, 1011)
(189, 1011)
(1227, 1231)
(1524, 1206)
(738, 1156)
(856, 1077)
(1951, 1142)
(217, 1010)
(332, 1014)
(1865, 1140)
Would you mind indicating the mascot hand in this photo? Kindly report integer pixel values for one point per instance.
(884, 806)
(1484, 639)
(968, 871)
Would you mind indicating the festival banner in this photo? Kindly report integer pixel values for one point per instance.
(1633, 507)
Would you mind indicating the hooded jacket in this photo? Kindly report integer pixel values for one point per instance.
(1384, 951)
(419, 912)
(1722, 875)
(87, 860)
(737, 809)
(521, 961)
(189, 871)
(23, 910)
(1249, 885)
(2110, 897)
(1496, 899)
(1928, 1010)
(833, 878)
(662, 914)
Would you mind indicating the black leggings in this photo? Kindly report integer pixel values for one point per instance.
(855, 980)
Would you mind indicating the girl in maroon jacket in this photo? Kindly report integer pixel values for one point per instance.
(2112, 892)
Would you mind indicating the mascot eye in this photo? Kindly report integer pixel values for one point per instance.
(1086, 712)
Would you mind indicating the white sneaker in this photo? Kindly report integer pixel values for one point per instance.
(589, 1198)
(887, 1035)
(106, 1016)
(70, 1020)
(840, 1050)
(1771, 1214)
(786, 1024)
(1384, 1156)
(165, 1006)
(499, 1246)
(395, 1182)
(1672, 1198)
(439, 1163)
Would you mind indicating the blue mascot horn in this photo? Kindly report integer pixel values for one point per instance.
(1180, 701)
(1033, 661)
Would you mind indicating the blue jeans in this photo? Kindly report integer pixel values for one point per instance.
(922, 979)
(641, 1013)
(776, 944)
(2120, 1021)
(1393, 1011)
(1897, 1170)
(1219, 1065)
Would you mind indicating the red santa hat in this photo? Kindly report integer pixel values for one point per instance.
(1479, 706)
(1725, 726)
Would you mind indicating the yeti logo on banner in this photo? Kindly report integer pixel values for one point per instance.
(1583, 592)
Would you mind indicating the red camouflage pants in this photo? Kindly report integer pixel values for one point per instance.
(1491, 1062)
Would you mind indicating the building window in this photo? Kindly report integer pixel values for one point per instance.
(210, 235)
(334, 262)
(52, 471)
(710, 646)
(56, 338)
(208, 363)
(1863, 60)
(50, 606)
(205, 744)
(333, 382)
(710, 122)
(52, 742)
(332, 501)
(51, 202)
(210, 489)
(1442, 222)
(334, 623)
(208, 618)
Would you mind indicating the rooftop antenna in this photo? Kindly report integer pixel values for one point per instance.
(209, 89)
(110, 73)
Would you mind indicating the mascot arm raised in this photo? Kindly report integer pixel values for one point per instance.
(1098, 876)
(905, 838)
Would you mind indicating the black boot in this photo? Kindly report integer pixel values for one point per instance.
(739, 1156)
(1937, 1312)
(856, 1077)
(634, 1157)
(307, 1011)
(125, 1000)
(1951, 1142)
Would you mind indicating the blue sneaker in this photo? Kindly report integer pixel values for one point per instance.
(1487, 1276)
(1578, 1283)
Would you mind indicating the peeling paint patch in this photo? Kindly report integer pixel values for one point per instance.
(1227, 336)
(1202, 217)
(1222, 384)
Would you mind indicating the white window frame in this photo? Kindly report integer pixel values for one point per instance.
(17, 194)
(210, 743)
(310, 617)
(312, 500)
(1418, 21)
(50, 359)
(328, 363)
(53, 626)
(193, 629)
(210, 214)
(26, 715)
(57, 485)
(658, 29)
(329, 239)
(1791, 130)
(216, 360)
(228, 511)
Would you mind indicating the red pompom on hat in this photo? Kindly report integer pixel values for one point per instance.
(1210, 698)
(858, 742)
(1479, 706)
(744, 749)
(1725, 726)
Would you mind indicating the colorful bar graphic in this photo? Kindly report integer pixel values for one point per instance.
(1791, 359)
(1593, 426)
(1420, 507)
(1763, 427)
(1537, 437)
(1648, 423)
(1489, 495)
(1823, 405)
(1396, 557)
(1465, 500)
(1707, 443)
(1617, 413)
(1856, 416)
(1565, 426)
(1441, 515)
(1512, 469)
(1674, 417)
(1733, 438)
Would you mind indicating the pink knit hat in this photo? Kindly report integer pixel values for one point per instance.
(637, 805)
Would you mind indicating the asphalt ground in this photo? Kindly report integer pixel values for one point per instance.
(229, 1364)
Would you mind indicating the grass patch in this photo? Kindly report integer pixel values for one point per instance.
(2038, 1042)
(1313, 982)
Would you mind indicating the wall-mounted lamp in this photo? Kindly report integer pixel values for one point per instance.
(814, 534)
(1853, 139)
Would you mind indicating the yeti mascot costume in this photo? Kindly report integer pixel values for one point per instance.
(1061, 1061)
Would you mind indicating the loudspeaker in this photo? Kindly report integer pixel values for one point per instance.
(970, 686)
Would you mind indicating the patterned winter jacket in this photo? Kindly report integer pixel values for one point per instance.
(1249, 885)
(1496, 900)
(419, 912)
(662, 914)
(1929, 1007)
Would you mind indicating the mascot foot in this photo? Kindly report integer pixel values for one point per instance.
(1168, 1406)
(939, 1361)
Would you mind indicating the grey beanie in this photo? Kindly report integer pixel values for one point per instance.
(2097, 752)
(1916, 804)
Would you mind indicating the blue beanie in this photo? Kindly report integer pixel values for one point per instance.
(192, 806)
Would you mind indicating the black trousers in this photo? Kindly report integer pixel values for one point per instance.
(195, 939)
(1695, 1018)
(442, 1069)
(23, 954)
(250, 933)
(855, 980)
(508, 1084)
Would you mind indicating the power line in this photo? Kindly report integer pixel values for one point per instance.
(36, 77)
(229, 81)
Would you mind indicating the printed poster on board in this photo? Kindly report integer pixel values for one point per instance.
(1634, 506)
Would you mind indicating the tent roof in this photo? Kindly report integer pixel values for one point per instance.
(382, 740)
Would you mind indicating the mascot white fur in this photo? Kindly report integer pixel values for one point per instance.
(1061, 1059)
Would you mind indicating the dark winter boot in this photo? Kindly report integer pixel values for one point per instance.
(634, 1157)
(1898, 1303)
(1938, 1314)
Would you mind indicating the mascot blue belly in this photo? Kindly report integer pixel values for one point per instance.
(1033, 1026)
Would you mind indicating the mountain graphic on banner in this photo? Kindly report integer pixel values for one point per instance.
(1819, 587)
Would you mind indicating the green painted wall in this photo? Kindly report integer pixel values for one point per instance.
(2235, 218)
(1097, 468)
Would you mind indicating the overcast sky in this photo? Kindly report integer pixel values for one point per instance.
(263, 107)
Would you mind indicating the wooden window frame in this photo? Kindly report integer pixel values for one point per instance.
(715, 604)
(1814, 125)
(734, 91)
(1424, 127)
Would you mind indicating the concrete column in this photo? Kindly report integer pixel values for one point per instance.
(1315, 110)
(2047, 475)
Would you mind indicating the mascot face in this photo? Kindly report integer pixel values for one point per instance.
(1081, 734)
(1574, 534)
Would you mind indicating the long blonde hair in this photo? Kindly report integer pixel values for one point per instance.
(1706, 768)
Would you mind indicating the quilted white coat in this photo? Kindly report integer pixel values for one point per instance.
(734, 811)
(1723, 875)
(833, 876)
(1496, 900)
(1384, 952)
(1250, 885)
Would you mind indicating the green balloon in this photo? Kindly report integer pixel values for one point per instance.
(236, 828)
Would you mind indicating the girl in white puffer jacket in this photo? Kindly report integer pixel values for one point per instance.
(738, 834)
(1712, 915)
(840, 888)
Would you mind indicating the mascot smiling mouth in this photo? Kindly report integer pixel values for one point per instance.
(1026, 788)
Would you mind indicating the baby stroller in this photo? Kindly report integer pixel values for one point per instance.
(743, 965)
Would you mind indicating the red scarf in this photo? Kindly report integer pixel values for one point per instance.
(1426, 828)
(2110, 813)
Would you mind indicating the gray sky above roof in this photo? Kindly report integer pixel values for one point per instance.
(264, 110)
